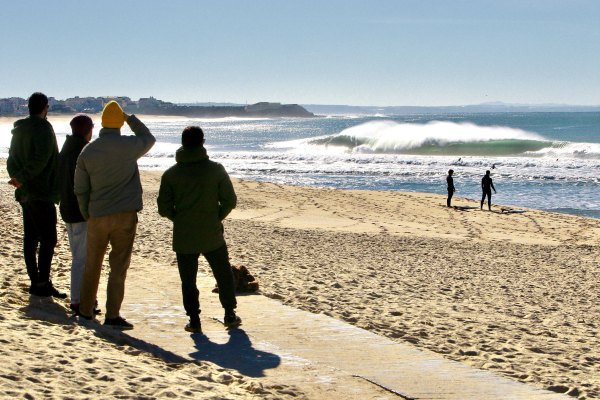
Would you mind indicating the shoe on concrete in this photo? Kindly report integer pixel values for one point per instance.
(231, 320)
(193, 328)
(118, 323)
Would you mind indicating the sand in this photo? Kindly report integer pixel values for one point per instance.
(512, 293)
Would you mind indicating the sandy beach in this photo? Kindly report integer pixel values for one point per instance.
(512, 293)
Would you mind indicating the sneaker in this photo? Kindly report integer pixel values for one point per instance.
(118, 323)
(80, 315)
(47, 289)
(231, 320)
(193, 328)
(55, 293)
(75, 309)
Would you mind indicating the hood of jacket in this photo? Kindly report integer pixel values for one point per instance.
(197, 154)
(29, 123)
(109, 131)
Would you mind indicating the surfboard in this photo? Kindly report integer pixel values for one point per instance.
(465, 207)
(512, 211)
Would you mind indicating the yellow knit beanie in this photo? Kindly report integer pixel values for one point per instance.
(112, 115)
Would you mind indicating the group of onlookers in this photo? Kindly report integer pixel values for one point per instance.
(97, 184)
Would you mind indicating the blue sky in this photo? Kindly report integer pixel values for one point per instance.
(386, 53)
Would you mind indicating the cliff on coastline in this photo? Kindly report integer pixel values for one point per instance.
(16, 106)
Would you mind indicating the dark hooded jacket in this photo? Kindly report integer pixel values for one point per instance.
(32, 159)
(196, 194)
(67, 161)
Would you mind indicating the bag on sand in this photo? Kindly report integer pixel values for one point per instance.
(243, 281)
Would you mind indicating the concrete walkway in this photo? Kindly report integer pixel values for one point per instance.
(279, 344)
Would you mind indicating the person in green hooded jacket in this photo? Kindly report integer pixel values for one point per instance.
(197, 194)
(32, 167)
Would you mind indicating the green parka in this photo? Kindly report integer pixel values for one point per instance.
(196, 194)
(33, 159)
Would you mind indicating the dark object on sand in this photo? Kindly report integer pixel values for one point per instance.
(243, 281)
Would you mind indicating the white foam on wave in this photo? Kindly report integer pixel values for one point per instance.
(394, 136)
(568, 149)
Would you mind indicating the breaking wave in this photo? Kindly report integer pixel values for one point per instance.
(436, 138)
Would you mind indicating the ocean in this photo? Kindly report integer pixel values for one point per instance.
(548, 161)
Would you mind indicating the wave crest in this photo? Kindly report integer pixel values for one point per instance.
(435, 138)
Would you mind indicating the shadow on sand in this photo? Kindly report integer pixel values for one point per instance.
(237, 353)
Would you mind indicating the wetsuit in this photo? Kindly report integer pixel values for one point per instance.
(486, 187)
(450, 182)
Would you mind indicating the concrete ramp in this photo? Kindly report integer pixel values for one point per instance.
(326, 357)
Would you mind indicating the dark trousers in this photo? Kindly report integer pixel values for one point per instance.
(450, 194)
(39, 225)
(221, 268)
(487, 193)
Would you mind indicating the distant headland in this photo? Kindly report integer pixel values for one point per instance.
(16, 106)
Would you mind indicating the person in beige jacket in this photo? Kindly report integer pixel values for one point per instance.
(109, 193)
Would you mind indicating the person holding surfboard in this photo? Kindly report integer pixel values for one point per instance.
(486, 187)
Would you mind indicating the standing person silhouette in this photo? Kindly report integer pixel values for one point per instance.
(197, 194)
(109, 193)
(32, 167)
(451, 189)
(486, 187)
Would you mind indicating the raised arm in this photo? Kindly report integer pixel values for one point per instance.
(145, 139)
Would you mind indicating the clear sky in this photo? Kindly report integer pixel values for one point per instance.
(369, 52)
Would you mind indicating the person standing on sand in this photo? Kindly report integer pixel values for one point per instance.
(81, 129)
(486, 187)
(109, 194)
(31, 165)
(197, 194)
(451, 189)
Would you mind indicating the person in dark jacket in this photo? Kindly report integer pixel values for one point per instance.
(81, 128)
(486, 187)
(31, 165)
(451, 189)
(197, 194)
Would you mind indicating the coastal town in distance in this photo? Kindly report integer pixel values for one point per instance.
(16, 106)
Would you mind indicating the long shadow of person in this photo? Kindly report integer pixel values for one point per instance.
(237, 354)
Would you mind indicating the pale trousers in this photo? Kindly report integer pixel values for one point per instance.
(77, 233)
(119, 230)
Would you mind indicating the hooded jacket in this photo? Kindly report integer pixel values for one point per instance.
(67, 160)
(107, 179)
(196, 194)
(32, 159)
